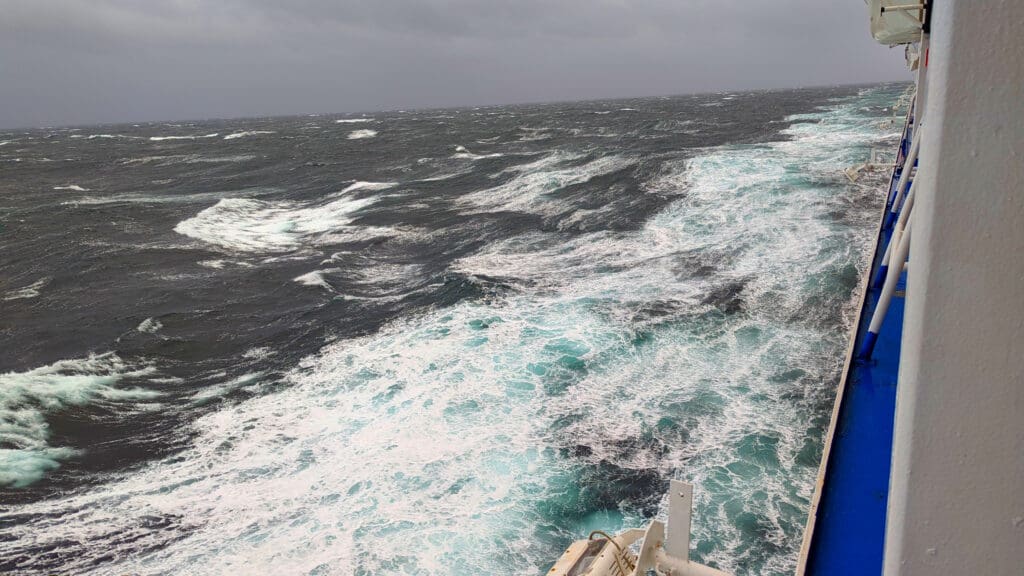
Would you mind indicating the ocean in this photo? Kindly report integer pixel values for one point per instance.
(428, 341)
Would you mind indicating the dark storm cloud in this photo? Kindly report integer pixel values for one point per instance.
(78, 61)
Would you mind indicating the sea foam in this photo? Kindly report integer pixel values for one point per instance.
(248, 225)
(194, 137)
(529, 190)
(361, 134)
(462, 153)
(360, 185)
(236, 135)
(30, 291)
(26, 398)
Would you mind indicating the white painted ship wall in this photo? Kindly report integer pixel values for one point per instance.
(956, 502)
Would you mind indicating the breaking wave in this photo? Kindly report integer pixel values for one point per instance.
(162, 138)
(462, 153)
(236, 135)
(26, 398)
(529, 191)
(369, 186)
(247, 225)
(30, 291)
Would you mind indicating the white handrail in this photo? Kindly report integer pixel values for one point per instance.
(908, 167)
(892, 278)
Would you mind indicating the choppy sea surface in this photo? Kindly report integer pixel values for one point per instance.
(426, 342)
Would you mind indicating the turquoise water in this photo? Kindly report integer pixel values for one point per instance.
(482, 437)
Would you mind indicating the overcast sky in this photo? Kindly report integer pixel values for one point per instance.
(89, 61)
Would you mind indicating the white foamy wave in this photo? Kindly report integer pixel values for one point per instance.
(171, 159)
(74, 187)
(27, 397)
(316, 278)
(454, 409)
(30, 291)
(529, 190)
(361, 134)
(450, 409)
(162, 138)
(152, 159)
(462, 153)
(218, 159)
(260, 353)
(369, 186)
(353, 120)
(212, 392)
(246, 225)
(237, 135)
(534, 134)
(221, 264)
(149, 326)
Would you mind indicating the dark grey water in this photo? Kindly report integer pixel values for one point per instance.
(430, 342)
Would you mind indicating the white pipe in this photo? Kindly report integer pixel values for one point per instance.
(891, 280)
(908, 167)
(888, 254)
(901, 224)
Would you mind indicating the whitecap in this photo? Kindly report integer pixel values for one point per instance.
(360, 185)
(162, 138)
(74, 187)
(462, 153)
(149, 326)
(248, 225)
(529, 190)
(30, 291)
(236, 135)
(316, 278)
(213, 392)
(27, 397)
(533, 134)
(353, 120)
(218, 159)
(258, 353)
(221, 264)
(361, 134)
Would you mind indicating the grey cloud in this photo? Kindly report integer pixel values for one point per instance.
(82, 61)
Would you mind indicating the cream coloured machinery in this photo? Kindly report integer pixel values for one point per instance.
(663, 548)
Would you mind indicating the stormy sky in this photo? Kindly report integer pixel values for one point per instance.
(89, 61)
